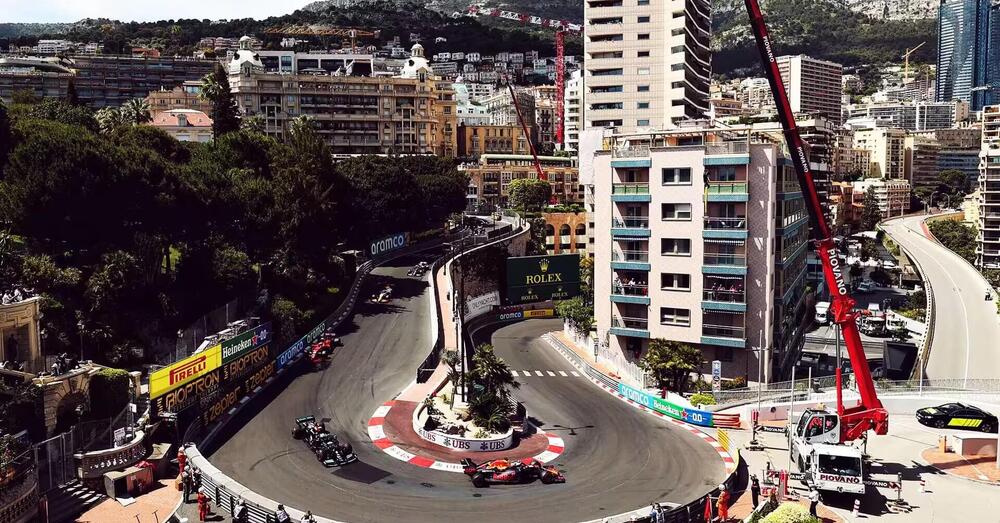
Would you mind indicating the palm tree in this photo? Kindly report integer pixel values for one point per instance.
(491, 400)
(108, 119)
(135, 112)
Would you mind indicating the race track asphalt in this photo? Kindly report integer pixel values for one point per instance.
(616, 458)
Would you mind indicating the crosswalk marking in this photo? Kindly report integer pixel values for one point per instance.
(513, 373)
(562, 373)
(539, 373)
(573, 372)
(551, 373)
(527, 373)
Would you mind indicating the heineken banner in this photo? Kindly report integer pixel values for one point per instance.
(539, 278)
(241, 344)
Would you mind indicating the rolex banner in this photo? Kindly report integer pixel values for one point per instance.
(539, 278)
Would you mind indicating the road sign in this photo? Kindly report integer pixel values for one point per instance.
(716, 375)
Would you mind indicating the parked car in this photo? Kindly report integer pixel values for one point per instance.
(822, 312)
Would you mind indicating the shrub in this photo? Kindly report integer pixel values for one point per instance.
(790, 513)
(735, 383)
(109, 393)
(702, 398)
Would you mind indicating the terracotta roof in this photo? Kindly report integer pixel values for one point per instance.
(193, 118)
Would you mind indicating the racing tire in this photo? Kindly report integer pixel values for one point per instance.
(986, 427)
(940, 424)
(547, 479)
(479, 480)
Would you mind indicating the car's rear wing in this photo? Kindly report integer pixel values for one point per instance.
(305, 419)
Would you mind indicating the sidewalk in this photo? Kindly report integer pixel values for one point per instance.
(152, 507)
(976, 468)
(584, 354)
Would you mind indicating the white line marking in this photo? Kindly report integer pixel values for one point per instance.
(539, 373)
(376, 432)
(513, 373)
(546, 456)
(563, 373)
(527, 373)
(551, 373)
(381, 411)
(573, 372)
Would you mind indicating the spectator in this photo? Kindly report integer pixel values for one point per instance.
(308, 518)
(181, 459)
(722, 505)
(281, 516)
(187, 482)
(813, 501)
(203, 504)
(755, 490)
(240, 511)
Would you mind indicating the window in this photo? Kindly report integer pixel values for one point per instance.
(643, 36)
(677, 67)
(642, 123)
(606, 72)
(642, 105)
(608, 105)
(672, 316)
(677, 49)
(643, 20)
(675, 247)
(676, 212)
(642, 2)
(607, 38)
(673, 281)
(607, 89)
(642, 89)
(676, 176)
(643, 71)
(642, 54)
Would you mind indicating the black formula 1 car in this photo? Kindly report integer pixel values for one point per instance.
(507, 472)
(329, 450)
(957, 416)
(419, 269)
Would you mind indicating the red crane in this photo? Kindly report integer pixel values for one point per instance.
(869, 413)
(561, 27)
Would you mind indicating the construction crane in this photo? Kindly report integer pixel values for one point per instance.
(906, 57)
(323, 32)
(561, 27)
(820, 435)
(526, 130)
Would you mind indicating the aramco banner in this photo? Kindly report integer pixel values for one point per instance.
(388, 244)
(532, 279)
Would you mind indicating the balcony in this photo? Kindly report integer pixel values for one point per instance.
(724, 300)
(630, 227)
(630, 192)
(725, 260)
(727, 153)
(630, 260)
(727, 191)
(723, 335)
(633, 327)
(734, 228)
(637, 293)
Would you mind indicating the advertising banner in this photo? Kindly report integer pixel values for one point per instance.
(190, 393)
(514, 314)
(688, 415)
(241, 344)
(388, 244)
(539, 278)
(221, 403)
(290, 353)
(481, 304)
(185, 371)
(716, 375)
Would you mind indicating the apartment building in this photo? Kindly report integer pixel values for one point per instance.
(968, 52)
(545, 114)
(919, 116)
(490, 177)
(477, 140)
(893, 195)
(573, 111)
(700, 237)
(921, 161)
(110, 81)
(647, 63)
(502, 111)
(988, 250)
(185, 96)
(44, 77)
(888, 150)
(813, 86)
(412, 113)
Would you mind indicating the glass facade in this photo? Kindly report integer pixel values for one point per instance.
(969, 52)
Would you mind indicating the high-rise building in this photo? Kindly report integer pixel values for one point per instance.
(921, 161)
(968, 66)
(110, 81)
(920, 116)
(43, 77)
(813, 86)
(572, 111)
(893, 196)
(700, 237)
(545, 115)
(888, 150)
(648, 63)
(988, 250)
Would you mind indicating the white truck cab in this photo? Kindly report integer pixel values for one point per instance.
(816, 450)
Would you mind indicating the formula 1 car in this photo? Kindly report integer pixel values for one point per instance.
(506, 472)
(419, 269)
(321, 350)
(957, 416)
(384, 296)
(328, 449)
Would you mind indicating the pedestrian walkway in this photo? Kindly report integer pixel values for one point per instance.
(585, 354)
(152, 507)
(976, 468)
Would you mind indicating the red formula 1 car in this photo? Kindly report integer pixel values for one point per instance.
(321, 350)
(507, 472)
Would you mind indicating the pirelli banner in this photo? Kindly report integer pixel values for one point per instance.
(201, 378)
(533, 279)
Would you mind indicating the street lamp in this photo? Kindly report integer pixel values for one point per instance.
(754, 444)
(79, 329)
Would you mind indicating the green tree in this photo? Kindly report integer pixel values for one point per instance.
(528, 193)
(63, 112)
(871, 215)
(491, 401)
(953, 182)
(109, 119)
(671, 362)
(579, 313)
(957, 236)
(25, 97)
(135, 112)
(109, 392)
(587, 278)
(6, 137)
(225, 114)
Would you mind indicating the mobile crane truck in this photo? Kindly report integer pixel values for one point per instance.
(820, 438)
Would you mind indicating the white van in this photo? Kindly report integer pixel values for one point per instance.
(822, 312)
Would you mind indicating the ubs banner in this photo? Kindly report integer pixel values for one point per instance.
(539, 278)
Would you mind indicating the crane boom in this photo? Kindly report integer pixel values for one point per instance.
(869, 413)
(527, 132)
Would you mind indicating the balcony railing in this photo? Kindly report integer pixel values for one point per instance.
(630, 256)
(723, 331)
(726, 296)
(729, 224)
(737, 260)
(727, 148)
(633, 289)
(727, 187)
(631, 222)
(630, 188)
(634, 151)
(630, 323)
